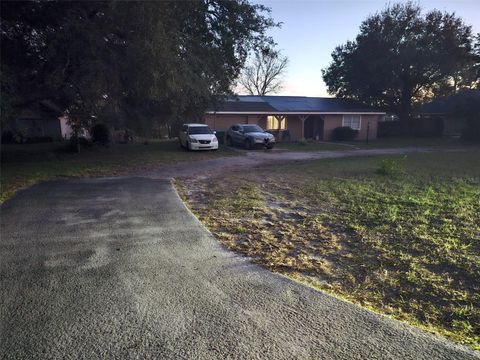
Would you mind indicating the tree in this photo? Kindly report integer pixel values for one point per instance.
(264, 73)
(124, 60)
(400, 57)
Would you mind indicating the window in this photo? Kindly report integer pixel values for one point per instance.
(272, 123)
(354, 121)
(199, 130)
(252, 128)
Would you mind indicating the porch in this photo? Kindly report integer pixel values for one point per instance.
(310, 127)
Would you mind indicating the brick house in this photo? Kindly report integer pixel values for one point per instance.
(304, 117)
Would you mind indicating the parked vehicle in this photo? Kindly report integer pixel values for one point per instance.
(250, 136)
(197, 137)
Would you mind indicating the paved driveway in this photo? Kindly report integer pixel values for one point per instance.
(119, 268)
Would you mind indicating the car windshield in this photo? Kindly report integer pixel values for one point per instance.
(198, 130)
(252, 128)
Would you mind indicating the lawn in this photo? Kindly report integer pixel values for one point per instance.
(391, 142)
(313, 146)
(400, 142)
(26, 164)
(397, 235)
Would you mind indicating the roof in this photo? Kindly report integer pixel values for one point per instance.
(251, 104)
(448, 104)
(43, 109)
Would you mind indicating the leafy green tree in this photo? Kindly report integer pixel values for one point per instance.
(401, 56)
(122, 61)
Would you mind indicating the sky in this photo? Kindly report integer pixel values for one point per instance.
(312, 29)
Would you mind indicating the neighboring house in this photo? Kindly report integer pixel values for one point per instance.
(445, 109)
(303, 117)
(42, 119)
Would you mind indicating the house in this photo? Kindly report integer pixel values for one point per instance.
(41, 119)
(303, 117)
(445, 110)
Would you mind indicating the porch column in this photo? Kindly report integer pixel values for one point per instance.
(280, 119)
(303, 118)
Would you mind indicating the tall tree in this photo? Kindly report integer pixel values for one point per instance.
(126, 59)
(400, 56)
(263, 75)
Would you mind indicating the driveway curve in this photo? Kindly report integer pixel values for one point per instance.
(258, 158)
(118, 268)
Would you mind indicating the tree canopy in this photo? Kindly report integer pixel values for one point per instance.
(129, 62)
(401, 56)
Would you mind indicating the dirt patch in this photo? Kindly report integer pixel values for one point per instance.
(404, 246)
(250, 159)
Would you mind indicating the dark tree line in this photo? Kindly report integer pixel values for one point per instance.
(402, 56)
(138, 64)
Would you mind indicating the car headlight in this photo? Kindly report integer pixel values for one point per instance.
(193, 140)
(272, 138)
(214, 139)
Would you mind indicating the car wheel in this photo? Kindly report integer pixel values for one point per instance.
(248, 144)
(189, 148)
(269, 147)
(229, 141)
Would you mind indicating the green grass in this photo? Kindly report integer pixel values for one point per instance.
(400, 142)
(382, 143)
(313, 146)
(26, 164)
(404, 244)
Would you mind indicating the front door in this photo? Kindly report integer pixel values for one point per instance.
(314, 127)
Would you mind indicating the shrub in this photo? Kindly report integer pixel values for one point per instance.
(471, 114)
(344, 133)
(100, 134)
(392, 167)
(468, 110)
(8, 137)
(302, 142)
(472, 131)
(221, 137)
(38, 139)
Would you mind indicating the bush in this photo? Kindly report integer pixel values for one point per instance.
(470, 111)
(392, 167)
(221, 137)
(344, 133)
(38, 139)
(302, 142)
(472, 131)
(100, 134)
(8, 137)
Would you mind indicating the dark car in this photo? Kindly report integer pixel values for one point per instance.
(249, 136)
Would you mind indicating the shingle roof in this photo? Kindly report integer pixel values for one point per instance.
(291, 104)
(449, 104)
(242, 106)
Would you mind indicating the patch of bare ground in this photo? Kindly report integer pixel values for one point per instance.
(403, 245)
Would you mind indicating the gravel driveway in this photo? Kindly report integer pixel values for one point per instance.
(257, 158)
(118, 268)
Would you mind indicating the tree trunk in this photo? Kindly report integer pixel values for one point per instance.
(76, 142)
(404, 113)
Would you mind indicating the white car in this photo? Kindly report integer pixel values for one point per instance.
(197, 137)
